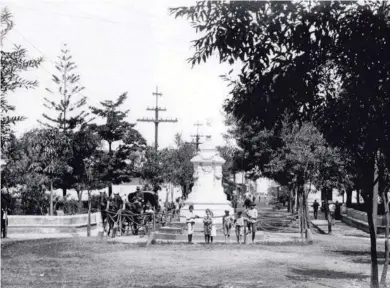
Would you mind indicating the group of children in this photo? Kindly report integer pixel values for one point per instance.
(228, 221)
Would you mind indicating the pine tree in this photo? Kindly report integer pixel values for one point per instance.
(71, 118)
(114, 166)
(68, 88)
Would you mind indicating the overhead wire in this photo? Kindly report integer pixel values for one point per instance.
(104, 20)
(45, 58)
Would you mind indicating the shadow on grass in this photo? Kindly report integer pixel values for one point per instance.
(362, 257)
(307, 274)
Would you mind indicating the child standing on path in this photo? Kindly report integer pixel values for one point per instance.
(252, 219)
(227, 222)
(190, 220)
(208, 223)
(239, 226)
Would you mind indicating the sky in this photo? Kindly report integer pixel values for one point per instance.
(120, 46)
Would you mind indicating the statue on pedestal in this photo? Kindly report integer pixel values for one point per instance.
(208, 192)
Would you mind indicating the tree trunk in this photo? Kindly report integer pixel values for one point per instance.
(383, 194)
(51, 198)
(309, 234)
(167, 195)
(109, 190)
(368, 193)
(387, 220)
(349, 196)
(293, 203)
(64, 192)
(358, 196)
(326, 211)
(375, 202)
(374, 258)
(300, 217)
(109, 184)
(79, 194)
(89, 214)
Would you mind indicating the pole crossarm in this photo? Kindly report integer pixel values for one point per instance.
(156, 119)
(167, 120)
(154, 109)
(146, 120)
(197, 136)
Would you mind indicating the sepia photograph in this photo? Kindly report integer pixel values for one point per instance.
(195, 144)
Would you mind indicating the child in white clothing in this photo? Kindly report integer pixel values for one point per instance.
(190, 220)
(239, 222)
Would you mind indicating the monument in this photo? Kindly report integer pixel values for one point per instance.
(207, 191)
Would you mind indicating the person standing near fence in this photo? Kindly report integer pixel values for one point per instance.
(227, 222)
(4, 221)
(239, 222)
(315, 209)
(252, 215)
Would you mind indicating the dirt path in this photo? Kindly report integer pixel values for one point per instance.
(83, 262)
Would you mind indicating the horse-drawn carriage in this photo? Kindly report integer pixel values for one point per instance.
(136, 212)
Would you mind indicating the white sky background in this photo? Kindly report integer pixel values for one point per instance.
(145, 47)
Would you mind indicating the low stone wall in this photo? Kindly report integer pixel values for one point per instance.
(358, 219)
(51, 224)
(34, 220)
(362, 216)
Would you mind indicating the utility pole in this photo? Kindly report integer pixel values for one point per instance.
(156, 120)
(197, 136)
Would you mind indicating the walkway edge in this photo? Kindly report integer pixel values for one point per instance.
(318, 228)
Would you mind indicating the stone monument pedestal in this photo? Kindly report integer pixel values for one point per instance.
(207, 192)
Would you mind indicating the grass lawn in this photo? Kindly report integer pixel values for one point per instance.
(83, 262)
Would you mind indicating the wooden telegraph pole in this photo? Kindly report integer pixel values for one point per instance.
(156, 120)
(197, 136)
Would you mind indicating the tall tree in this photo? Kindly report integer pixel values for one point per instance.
(70, 113)
(84, 144)
(51, 149)
(117, 129)
(183, 167)
(154, 165)
(13, 63)
(230, 168)
(68, 110)
(334, 55)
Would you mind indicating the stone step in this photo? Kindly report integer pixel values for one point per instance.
(170, 230)
(178, 224)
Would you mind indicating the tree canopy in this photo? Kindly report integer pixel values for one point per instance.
(117, 165)
(321, 62)
(13, 64)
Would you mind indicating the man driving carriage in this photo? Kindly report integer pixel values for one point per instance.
(138, 210)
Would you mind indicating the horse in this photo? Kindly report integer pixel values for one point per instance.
(115, 208)
(103, 209)
(132, 217)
